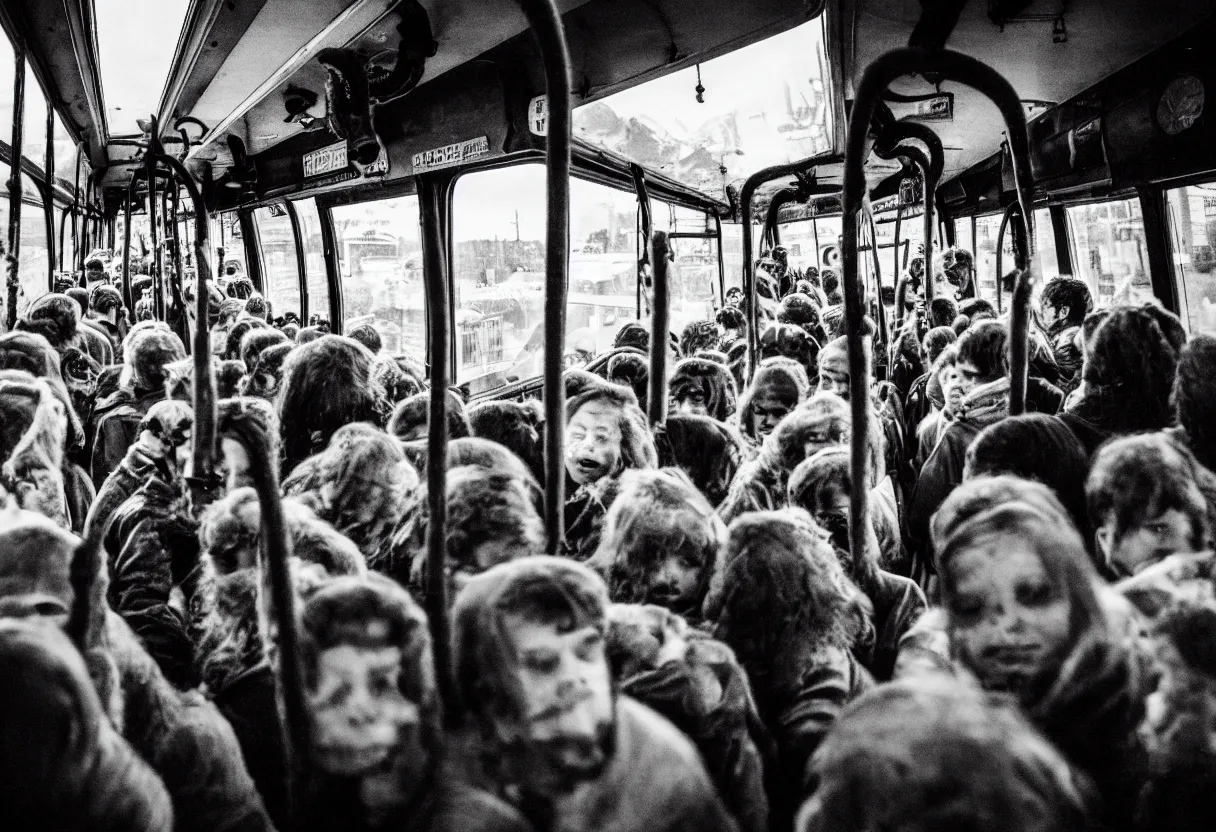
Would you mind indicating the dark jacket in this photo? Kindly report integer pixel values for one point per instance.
(117, 419)
(898, 603)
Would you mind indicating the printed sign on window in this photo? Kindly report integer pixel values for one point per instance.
(450, 155)
(538, 115)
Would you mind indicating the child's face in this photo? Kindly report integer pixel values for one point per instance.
(1147, 543)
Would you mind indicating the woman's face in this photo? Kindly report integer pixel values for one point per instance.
(1008, 622)
(593, 442)
(952, 387)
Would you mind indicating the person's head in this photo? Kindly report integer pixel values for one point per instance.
(779, 386)
(95, 269)
(734, 297)
(1036, 447)
(945, 371)
(916, 267)
(308, 334)
(239, 287)
(1130, 360)
(1195, 397)
(81, 296)
(605, 434)
(958, 267)
(147, 354)
(35, 562)
(790, 341)
(326, 384)
(61, 311)
(265, 376)
(933, 754)
(708, 451)
(822, 485)
(942, 312)
(367, 335)
(369, 682)
(632, 370)
(783, 591)
(633, 334)
(33, 354)
(800, 310)
(358, 484)
(703, 388)
(165, 431)
(1064, 303)
(105, 301)
(834, 373)
(697, 336)
(730, 321)
(400, 375)
(1177, 732)
(517, 426)
(1145, 503)
(254, 341)
(830, 281)
(661, 543)
(983, 355)
(257, 307)
(63, 765)
(1171, 325)
(936, 340)
(411, 417)
(530, 667)
(237, 333)
(1016, 583)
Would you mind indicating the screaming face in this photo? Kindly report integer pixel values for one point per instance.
(1008, 622)
(593, 442)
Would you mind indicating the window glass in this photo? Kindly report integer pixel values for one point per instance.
(911, 232)
(693, 273)
(225, 234)
(65, 157)
(987, 228)
(732, 253)
(8, 65)
(1192, 219)
(32, 270)
(279, 270)
(314, 259)
(1045, 245)
(380, 264)
(33, 142)
(817, 242)
(1110, 251)
(498, 231)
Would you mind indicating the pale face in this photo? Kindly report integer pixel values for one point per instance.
(952, 387)
(834, 375)
(1008, 622)
(969, 377)
(675, 583)
(593, 442)
(767, 412)
(827, 436)
(360, 716)
(566, 687)
(237, 465)
(1144, 545)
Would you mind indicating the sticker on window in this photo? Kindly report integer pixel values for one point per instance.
(538, 115)
(326, 160)
(450, 155)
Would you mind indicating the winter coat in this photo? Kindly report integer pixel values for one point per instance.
(898, 603)
(117, 419)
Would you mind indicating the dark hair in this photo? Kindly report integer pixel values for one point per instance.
(367, 335)
(415, 412)
(942, 312)
(104, 297)
(986, 345)
(1132, 365)
(936, 340)
(1195, 397)
(696, 336)
(81, 296)
(1171, 325)
(1135, 479)
(1071, 292)
(830, 282)
(232, 345)
(977, 308)
(255, 341)
(731, 317)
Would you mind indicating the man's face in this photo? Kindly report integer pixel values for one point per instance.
(830, 434)
(94, 273)
(834, 375)
(1148, 543)
(689, 399)
(567, 692)
(969, 377)
(593, 442)
(957, 274)
(1054, 317)
(360, 716)
(952, 387)
(676, 582)
(1008, 622)
(767, 412)
(831, 512)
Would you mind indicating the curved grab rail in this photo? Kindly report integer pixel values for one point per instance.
(931, 171)
(877, 77)
(657, 383)
(545, 20)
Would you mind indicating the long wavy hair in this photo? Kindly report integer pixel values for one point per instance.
(1129, 372)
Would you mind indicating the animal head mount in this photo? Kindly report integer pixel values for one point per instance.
(356, 85)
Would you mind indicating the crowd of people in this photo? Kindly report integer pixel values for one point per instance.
(1024, 640)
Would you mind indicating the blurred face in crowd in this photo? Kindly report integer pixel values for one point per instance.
(834, 374)
(969, 377)
(1008, 622)
(767, 411)
(1147, 543)
(593, 442)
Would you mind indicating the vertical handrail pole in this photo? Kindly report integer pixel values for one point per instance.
(884, 333)
(204, 481)
(545, 20)
(301, 268)
(818, 254)
(930, 186)
(77, 256)
(49, 172)
(1000, 253)
(657, 389)
(647, 221)
(437, 301)
(158, 289)
(127, 293)
(951, 66)
(14, 185)
(721, 262)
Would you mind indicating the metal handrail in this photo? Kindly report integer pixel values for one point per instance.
(659, 315)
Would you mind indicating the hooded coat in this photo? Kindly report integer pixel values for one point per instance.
(708, 451)
(711, 380)
(654, 779)
(785, 380)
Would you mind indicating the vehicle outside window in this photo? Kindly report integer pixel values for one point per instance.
(498, 231)
(314, 259)
(280, 272)
(1110, 251)
(1192, 220)
(380, 263)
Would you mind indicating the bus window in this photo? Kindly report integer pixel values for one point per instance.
(280, 272)
(8, 67)
(1111, 255)
(986, 229)
(693, 274)
(314, 258)
(35, 254)
(226, 234)
(805, 234)
(732, 254)
(498, 232)
(65, 158)
(380, 263)
(33, 143)
(1192, 219)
